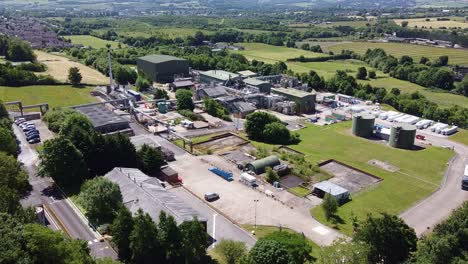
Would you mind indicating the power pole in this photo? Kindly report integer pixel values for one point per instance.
(109, 63)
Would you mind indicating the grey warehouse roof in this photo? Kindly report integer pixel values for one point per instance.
(254, 81)
(220, 74)
(160, 58)
(100, 116)
(215, 91)
(330, 188)
(244, 107)
(139, 191)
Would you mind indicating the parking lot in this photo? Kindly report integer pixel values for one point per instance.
(237, 201)
(44, 132)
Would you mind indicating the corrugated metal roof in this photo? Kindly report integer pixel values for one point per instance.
(254, 81)
(292, 92)
(158, 58)
(100, 116)
(139, 191)
(220, 74)
(330, 188)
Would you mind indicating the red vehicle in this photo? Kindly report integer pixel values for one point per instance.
(420, 137)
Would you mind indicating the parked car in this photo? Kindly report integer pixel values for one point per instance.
(19, 121)
(33, 136)
(34, 140)
(32, 132)
(28, 128)
(24, 124)
(211, 196)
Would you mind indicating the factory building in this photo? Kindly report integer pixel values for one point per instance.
(363, 125)
(402, 135)
(340, 193)
(247, 74)
(219, 76)
(263, 86)
(139, 191)
(259, 166)
(181, 83)
(162, 68)
(305, 101)
(104, 120)
(212, 92)
(242, 109)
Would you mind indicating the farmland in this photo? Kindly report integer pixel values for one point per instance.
(419, 175)
(58, 66)
(433, 23)
(272, 54)
(91, 41)
(456, 56)
(55, 96)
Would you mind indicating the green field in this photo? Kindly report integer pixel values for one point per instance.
(461, 136)
(55, 96)
(272, 54)
(91, 41)
(420, 173)
(456, 56)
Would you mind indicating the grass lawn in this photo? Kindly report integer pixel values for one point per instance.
(91, 41)
(461, 136)
(433, 23)
(55, 96)
(262, 231)
(456, 56)
(419, 175)
(299, 191)
(272, 54)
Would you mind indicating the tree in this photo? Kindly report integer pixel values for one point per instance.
(171, 238)
(142, 84)
(295, 244)
(56, 117)
(404, 23)
(395, 91)
(125, 75)
(63, 162)
(372, 74)
(121, 228)
(329, 205)
(18, 50)
(144, 243)
(276, 133)
(214, 108)
(230, 251)
(463, 88)
(74, 76)
(271, 176)
(161, 94)
(423, 60)
(406, 59)
(194, 241)
(184, 100)
(389, 239)
(255, 124)
(7, 142)
(269, 252)
(342, 251)
(362, 73)
(100, 199)
(3, 110)
(150, 159)
(442, 61)
(12, 174)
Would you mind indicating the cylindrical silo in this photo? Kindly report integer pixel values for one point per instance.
(363, 125)
(402, 135)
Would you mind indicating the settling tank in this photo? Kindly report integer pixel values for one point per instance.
(363, 125)
(402, 135)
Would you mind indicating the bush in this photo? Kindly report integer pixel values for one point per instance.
(190, 115)
(329, 205)
(271, 176)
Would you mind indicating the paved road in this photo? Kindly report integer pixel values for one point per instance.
(224, 229)
(437, 207)
(44, 193)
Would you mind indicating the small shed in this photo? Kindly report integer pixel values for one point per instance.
(259, 166)
(168, 174)
(340, 193)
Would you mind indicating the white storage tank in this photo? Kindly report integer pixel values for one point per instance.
(248, 179)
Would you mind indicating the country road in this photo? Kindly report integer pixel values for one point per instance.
(432, 210)
(45, 193)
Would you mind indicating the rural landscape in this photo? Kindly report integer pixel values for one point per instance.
(234, 132)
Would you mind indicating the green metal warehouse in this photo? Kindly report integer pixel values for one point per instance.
(163, 68)
(263, 86)
(305, 100)
(259, 166)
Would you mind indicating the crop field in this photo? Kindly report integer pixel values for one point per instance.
(58, 67)
(456, 56)
(55, 96)
(433, 23)
(91, 41)
(421, 171)
(272, 54)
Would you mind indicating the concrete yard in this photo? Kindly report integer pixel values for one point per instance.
(237, 200)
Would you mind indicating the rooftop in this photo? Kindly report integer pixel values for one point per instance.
(292, 92)
(247, 73)
(139, 191)
(220, 74)
(255, 81)
(140, 140)
(215, 91)
(330, 188)
(244, 107)
(100, 116)
(157, 58)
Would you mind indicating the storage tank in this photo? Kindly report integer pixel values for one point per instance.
(402, 135)
(363, 125)
(162, 107)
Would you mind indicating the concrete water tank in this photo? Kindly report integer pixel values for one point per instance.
(363, 125)
(402, 135)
